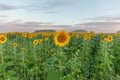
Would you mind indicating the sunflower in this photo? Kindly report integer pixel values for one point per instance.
(102, 34)
(86, 36)
(24, 34)
(30, 36)
(61, 38)
(35, 42)
(92, 33)
(3, 39)
(40, 40)
(46, 39)
(15, 45)
(71, 34)
(22, 49)
(77, 35)
(110, 38)
(105, 40)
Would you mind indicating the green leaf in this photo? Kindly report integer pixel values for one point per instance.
(61, 57)
(51, 60)
(54, 75)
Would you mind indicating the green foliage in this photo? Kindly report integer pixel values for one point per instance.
(79, 60)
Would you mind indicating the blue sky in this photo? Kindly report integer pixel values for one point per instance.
(53, 13)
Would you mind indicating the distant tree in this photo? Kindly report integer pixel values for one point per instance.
(79, 31)
(45, 31)
(118, 31)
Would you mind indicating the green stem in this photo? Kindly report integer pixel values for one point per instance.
(1, 53)
(23, 60)
(36, 66)
(15, 54)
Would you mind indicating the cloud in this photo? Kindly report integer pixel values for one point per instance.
(3, 16)
(110, 18)
(5, 7)
(65, 27)
(51, 12)
(28, 26)
(110, 23)
(56, 4)
(51, 7)
(99, 26)
(48, 7)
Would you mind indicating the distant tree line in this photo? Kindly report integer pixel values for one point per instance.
(55, 31)
(45, 31)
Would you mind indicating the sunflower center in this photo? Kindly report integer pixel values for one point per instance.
(2, 39)
(110, 38)
(61, 38)
(15, 45)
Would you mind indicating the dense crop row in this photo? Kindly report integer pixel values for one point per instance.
(59, 56)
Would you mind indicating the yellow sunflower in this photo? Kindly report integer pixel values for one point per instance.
(61, 38)
(35, 42)
(40, 40)
(110, 38)
(30, 36)
(71, 34)
(46, 39)
(3, 39)
(15, 45)
(24, 34)
(102, 34)
(86, 36)
(105, 40)
(92, 33)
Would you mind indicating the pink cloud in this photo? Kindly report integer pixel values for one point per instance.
(20, 25)
(100, 26)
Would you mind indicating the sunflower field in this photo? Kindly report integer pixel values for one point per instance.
(59, 55)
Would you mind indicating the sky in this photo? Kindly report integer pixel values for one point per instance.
(31, 15)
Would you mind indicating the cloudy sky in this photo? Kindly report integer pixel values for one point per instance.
(31, 15)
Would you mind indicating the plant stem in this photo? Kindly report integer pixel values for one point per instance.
(1, 53)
